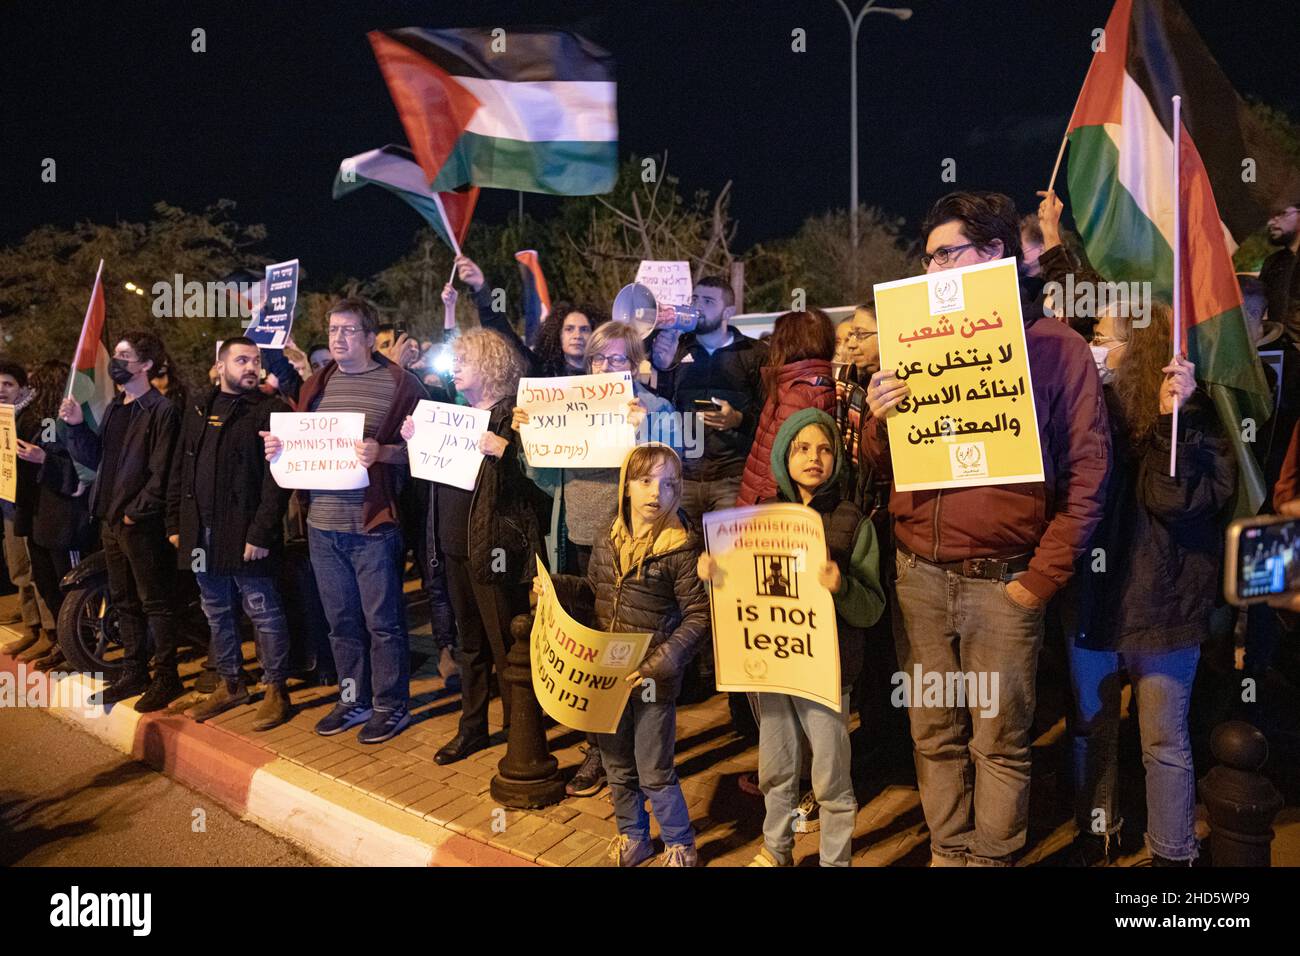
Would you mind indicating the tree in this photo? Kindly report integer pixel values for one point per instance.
(1254, 249)
(46, 279)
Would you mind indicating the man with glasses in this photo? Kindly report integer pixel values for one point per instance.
(133, 453)
(976, 566)
(1280, 274)
(355, 537)
(716, 373)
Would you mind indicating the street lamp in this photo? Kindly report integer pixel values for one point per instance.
(902, 13)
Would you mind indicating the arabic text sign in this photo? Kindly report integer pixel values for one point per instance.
(577, 421)
(319, 450)
(774, 628)
(8, 454)
(444, 447)
(579, 674)
(669, 281)
(275, 317)
(957, 338)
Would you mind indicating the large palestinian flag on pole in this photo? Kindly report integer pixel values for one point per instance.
(526, 110)
(1121, 193)
(395, 169)
(88, 382)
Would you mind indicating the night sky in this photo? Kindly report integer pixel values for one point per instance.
(285, 90)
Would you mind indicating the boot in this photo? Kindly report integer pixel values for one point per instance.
(274, 709)
(51, 660)
(29, 636)
(39, 648)
(165, 688)
(229, 693)
(131, 683)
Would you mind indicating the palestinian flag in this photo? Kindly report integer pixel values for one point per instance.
(527, 110)
(88, 382)
(537, 298)
(395, 169)
(1121, 193)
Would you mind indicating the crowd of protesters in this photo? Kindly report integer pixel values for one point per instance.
(966, 580)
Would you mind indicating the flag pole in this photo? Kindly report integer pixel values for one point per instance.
(1060, 154)
(1178, 274)
(81, 339)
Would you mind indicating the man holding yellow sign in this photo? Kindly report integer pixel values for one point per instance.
(987, 530)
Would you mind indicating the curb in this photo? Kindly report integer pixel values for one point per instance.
(333, 821)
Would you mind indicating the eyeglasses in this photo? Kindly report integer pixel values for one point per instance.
(944, 254)
(344, 330)
(613, 361)
(861, 335)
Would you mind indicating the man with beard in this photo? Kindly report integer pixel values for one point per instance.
(225, 515)
(716, 373)
(133, 453)
(1279, 273)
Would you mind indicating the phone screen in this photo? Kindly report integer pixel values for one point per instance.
(1268, 560)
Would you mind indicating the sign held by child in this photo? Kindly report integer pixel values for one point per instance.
(774, 625)
(580, 674)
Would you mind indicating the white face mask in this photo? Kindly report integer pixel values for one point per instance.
(1099, 354)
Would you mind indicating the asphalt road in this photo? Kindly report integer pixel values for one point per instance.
(66, 799)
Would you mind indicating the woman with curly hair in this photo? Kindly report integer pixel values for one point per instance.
(487, 536)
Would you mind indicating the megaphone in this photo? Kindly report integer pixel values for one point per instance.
(635, 304)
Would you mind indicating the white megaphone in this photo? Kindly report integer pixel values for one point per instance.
(635, 304)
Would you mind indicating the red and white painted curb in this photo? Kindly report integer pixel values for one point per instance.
(333, 821)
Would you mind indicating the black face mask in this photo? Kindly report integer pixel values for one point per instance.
(118, 371)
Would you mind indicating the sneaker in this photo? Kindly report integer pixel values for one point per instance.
(343, 717)
(384, 725)
(128, 685)
(590, 778)
(228, 694)
(625, 851)
(765, 857)
(164, 689)
(681, 854)
(807, 816)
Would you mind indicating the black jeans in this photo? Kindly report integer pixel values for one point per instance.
(483, 615)
(141, 572)
(48, 569)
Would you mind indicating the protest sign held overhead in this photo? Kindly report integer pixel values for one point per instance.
(774, 625)
(579, 674)
(577, 421)
(957, 339)
(670, 282)
(274, 320)
(445, 445)
(319, 450)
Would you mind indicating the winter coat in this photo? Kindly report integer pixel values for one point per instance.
(800, 385)
(661, 595)
(850, 541)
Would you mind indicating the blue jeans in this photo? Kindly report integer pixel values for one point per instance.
(261, 600)
(638, 760)
(788, 724)
(1162, 684)
(359, 577)
(972, 762)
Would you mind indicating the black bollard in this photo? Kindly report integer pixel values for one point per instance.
(1241, 801)
(527, 777)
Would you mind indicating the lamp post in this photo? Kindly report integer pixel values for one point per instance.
(902, 13)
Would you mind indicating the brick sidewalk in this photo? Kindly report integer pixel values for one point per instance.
(711, 758)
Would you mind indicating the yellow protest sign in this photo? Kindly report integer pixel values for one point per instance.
(958, 339)
(579, 673)
(8, 454)
(774, 625)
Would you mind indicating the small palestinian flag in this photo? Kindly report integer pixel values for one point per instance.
(394, 168)
(526, 110)
(537, 298)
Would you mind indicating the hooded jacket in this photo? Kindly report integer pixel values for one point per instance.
(799, 385)
(651, 589)
(850, 540)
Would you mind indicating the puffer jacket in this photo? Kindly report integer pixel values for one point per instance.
(799, 385)
(850, 540)
(662, 595)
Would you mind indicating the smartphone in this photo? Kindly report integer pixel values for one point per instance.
(1261, 559)
(399, 330)
(706, 405)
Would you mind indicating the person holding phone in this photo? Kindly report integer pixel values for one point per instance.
(1147, 586)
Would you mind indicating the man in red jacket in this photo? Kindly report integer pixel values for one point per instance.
(977, 565)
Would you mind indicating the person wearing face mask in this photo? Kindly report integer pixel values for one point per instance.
(133, 452)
